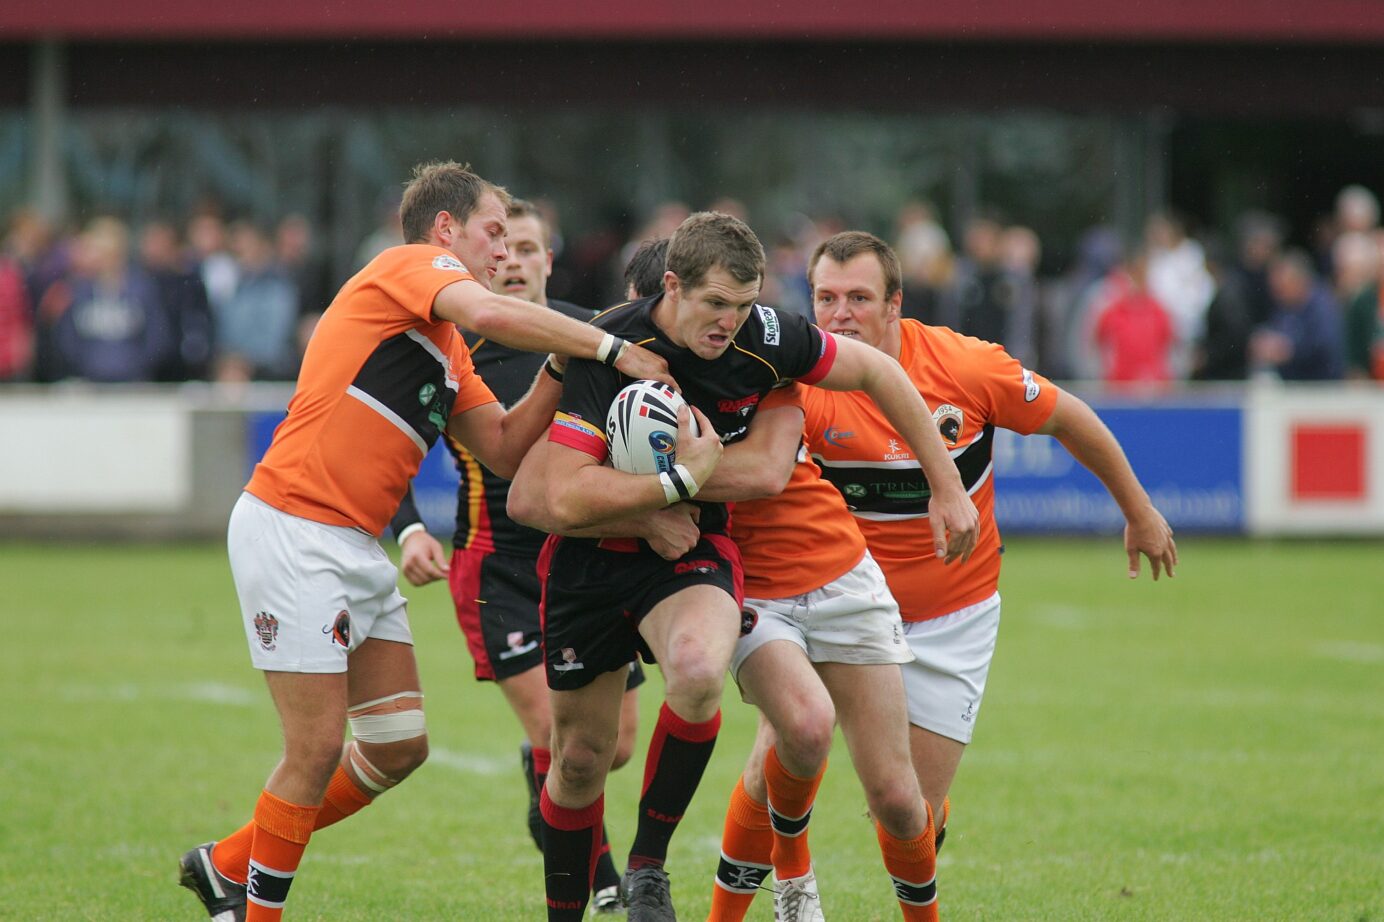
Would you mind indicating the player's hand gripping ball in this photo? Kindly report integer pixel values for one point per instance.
(642, 428)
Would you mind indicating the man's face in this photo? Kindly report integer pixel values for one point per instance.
(524, 272)
(707, 317)
(480, 242)
(848, 298)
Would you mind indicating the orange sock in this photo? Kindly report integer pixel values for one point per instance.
(231, 856)
(790, 809)
(746, 847)
(344, 797)
(282, 831)
(912, 863)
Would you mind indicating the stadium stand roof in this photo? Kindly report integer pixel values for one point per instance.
(1269, 21)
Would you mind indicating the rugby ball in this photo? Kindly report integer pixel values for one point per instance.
(642, 428)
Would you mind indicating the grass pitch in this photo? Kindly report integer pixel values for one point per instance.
(1205, 748)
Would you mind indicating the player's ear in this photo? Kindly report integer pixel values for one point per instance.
(444, 227)
(893, 307)
(672, 285)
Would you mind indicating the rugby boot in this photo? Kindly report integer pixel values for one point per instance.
(224, 899)
(648, 895)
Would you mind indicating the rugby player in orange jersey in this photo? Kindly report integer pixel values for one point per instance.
(821, 640)
(951, 615)
(384, 375)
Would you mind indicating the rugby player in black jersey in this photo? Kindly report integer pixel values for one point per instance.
(608, 600)
(492, 569)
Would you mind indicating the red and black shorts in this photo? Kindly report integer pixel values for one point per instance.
(594, 598)
(497, 597)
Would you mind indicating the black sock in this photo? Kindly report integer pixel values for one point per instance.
(606, 875)
(571, 841)
(678, 754)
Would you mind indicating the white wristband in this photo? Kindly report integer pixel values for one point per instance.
(689, 486)
(403, 535)
(603, 350)
(670, 490)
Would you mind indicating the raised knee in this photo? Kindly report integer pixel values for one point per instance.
(394, 732)
(407, 755)
(579, 764)
(695, 677)
(807, 736)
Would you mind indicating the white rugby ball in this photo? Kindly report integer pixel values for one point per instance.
(642, 428)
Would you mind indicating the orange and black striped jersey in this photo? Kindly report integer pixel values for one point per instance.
(972, 387)
(801, 539)
(380, 380)
(482, 521)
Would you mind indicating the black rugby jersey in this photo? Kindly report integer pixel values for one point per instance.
(482, 522)
(772, 349)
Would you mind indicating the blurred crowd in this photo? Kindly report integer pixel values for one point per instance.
(205, 298)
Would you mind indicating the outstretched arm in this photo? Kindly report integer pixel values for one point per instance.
(534, 328)
(953, 517)
(499, 439)
(1082, 433)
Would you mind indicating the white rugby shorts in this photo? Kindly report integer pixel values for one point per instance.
(946, 681)
(853, 619)
(310, 593)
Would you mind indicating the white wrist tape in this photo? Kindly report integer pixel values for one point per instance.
(603, 350)
(412, 529)
(670, 490)
(683, 482)
(610, 349)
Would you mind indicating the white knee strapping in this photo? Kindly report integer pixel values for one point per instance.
(390, 726)
(366, 772)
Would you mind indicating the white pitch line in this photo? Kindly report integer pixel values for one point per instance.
(205, 692)
(220, 693)
(1352, 651)
(1063, 617)
(472, 764)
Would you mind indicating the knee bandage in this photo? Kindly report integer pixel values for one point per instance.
(390, 719)
(385, 720)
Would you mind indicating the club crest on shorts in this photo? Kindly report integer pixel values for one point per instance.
(340, 629)
(569, 661)
(267, 627)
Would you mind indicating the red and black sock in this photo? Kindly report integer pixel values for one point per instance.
(678, 754)
(606, 875)
(571, 844)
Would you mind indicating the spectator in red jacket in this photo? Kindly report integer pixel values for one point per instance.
(1134, 332)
